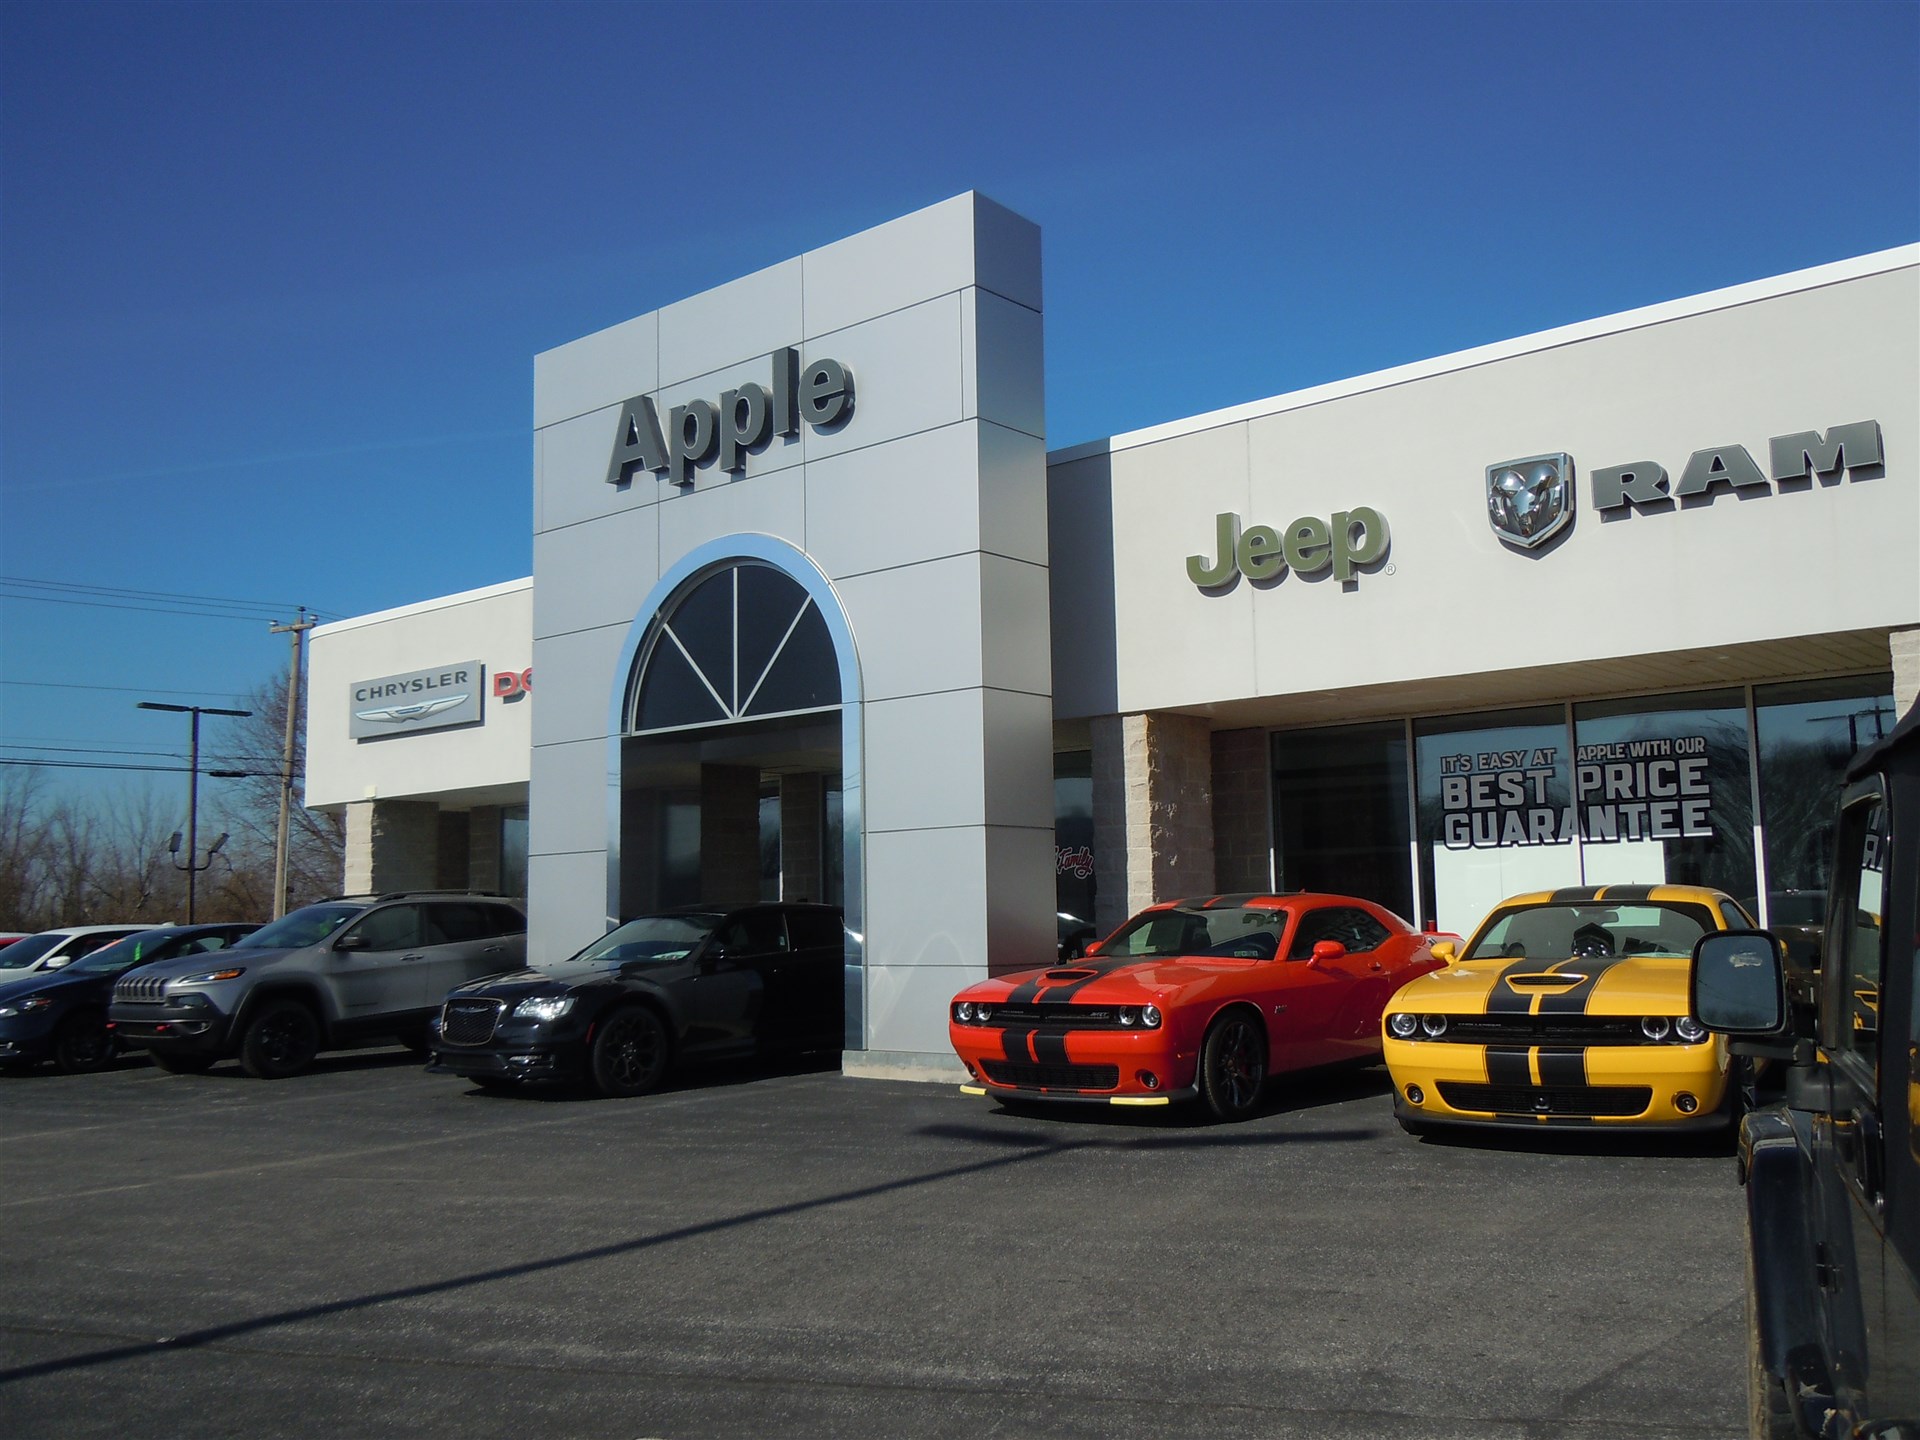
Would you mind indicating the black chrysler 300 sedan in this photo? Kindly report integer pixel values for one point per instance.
(683, 985)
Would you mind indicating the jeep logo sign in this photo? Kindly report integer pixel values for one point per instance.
(744, 422)
(1309, 545)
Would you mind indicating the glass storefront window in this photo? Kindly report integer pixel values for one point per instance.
(1807, 733)
(1663, 791)
(1340, 812)
(513, 850)
(1495, 817)
(1073, 888)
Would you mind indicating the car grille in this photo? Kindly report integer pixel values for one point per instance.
(1544, 1030)
(1548, 1099)
(1052, 1077)
(470, 1022)
(141, 989)
(1060, 1015)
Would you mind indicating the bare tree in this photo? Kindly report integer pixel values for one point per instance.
(250, 807)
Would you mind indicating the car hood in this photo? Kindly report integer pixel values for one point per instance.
(1110, 979)
(1624, 985)
(231, 958)
(48, 982)
(561, 975)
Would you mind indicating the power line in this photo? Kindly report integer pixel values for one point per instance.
(128, 593)
(128, 689)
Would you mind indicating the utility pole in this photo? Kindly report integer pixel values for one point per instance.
(193, 867)
(298, 629)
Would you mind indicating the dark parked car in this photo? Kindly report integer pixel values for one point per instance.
(659, 989)
(1832, 1171)
(61, 1015)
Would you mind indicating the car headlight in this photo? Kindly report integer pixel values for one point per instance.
(963, 1012)
(1434, 1025)
(1655, 1027)
(208, 977)
(1129, 1016)
(1689, 1029)
(543, 1007)
(1402, 1025)
(981, 1012)
(1150, 1016)
(26, 1006)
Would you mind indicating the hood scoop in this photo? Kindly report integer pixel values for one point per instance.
(1543, 978)
(1070, 974)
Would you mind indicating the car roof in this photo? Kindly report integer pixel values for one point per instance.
(96, 929)
(1619, 895)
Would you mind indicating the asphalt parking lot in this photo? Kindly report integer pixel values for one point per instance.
(369, 1250)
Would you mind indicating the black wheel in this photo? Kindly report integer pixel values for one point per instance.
(281, 1040)
(1233, 1066)
(1769, 1414)
(184, 1064)
(629, 1052)
(82, 1045)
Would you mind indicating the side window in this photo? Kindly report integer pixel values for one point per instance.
(1365, 932)
(756, 932)
(1856, 927)
(504, 920)
(1315, 926)
(202, 944)
(452, 922)
(392, 927)
(814, 930)
(86, 944)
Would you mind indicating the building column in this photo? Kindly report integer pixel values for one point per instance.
(1242, 824)
(392, 845)
(1905, 645)
(1152, 812)
(729, 834)
(802, 820)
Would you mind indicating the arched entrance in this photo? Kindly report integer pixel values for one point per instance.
(735, 752)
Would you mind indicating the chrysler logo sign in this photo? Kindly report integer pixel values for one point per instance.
(418, 700)
(1530, 501)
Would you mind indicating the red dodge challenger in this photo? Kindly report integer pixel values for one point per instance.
(1202, 997)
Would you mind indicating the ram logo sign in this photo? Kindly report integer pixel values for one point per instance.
(1530, 501)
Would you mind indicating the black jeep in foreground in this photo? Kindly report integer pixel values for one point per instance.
(1832, 1170)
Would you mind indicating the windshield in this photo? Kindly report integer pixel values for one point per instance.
(308, 925)
(1562, 932)
(121, 955)
(22, 953)
(652, 937)
(1246, 934)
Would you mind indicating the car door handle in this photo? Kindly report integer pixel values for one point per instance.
(413, 957)
(493, 949)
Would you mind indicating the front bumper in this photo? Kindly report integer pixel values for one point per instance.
(1637, 1087)
(29, 1037)
(1108, 1067)
(177, 1029)
(527, 1065)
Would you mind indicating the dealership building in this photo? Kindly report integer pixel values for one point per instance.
(815, 614)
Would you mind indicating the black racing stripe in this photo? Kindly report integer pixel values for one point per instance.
(1508, 1066)
(1023, 994)
(1050, 1049)
(1574, 1001)
(1563, 1067)
(1101, 968)
(1625, 892)
(1576, 892)
(1503, 999)
(1013, 1043)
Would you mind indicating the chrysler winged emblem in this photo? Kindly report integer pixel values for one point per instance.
(399, 714)
(1530, 500)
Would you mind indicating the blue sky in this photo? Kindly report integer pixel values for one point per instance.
(272, 275)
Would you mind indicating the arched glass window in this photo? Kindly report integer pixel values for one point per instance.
(740, 643)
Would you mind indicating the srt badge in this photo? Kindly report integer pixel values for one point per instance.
(1531, 500)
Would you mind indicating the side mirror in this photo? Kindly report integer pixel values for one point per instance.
(59, 962)
(1736, 987)
(1327, 950)
(1093, 948)
(716, 958)
(351, 942)
(1444, 951)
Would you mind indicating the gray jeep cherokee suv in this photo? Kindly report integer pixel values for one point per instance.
(332, 974)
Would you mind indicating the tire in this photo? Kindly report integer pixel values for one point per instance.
(414, 1038)
(280, 1040)
(82, 1045)
(629, 1052)
(1233, 1066)
(186, 1063)
(1769, 1415)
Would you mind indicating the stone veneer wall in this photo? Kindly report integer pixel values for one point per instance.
(1905, 645)
(1152, 812)
(392, 845)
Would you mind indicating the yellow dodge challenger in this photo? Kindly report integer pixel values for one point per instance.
(1566, 1008)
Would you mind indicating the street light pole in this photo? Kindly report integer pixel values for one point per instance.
(193, 785)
